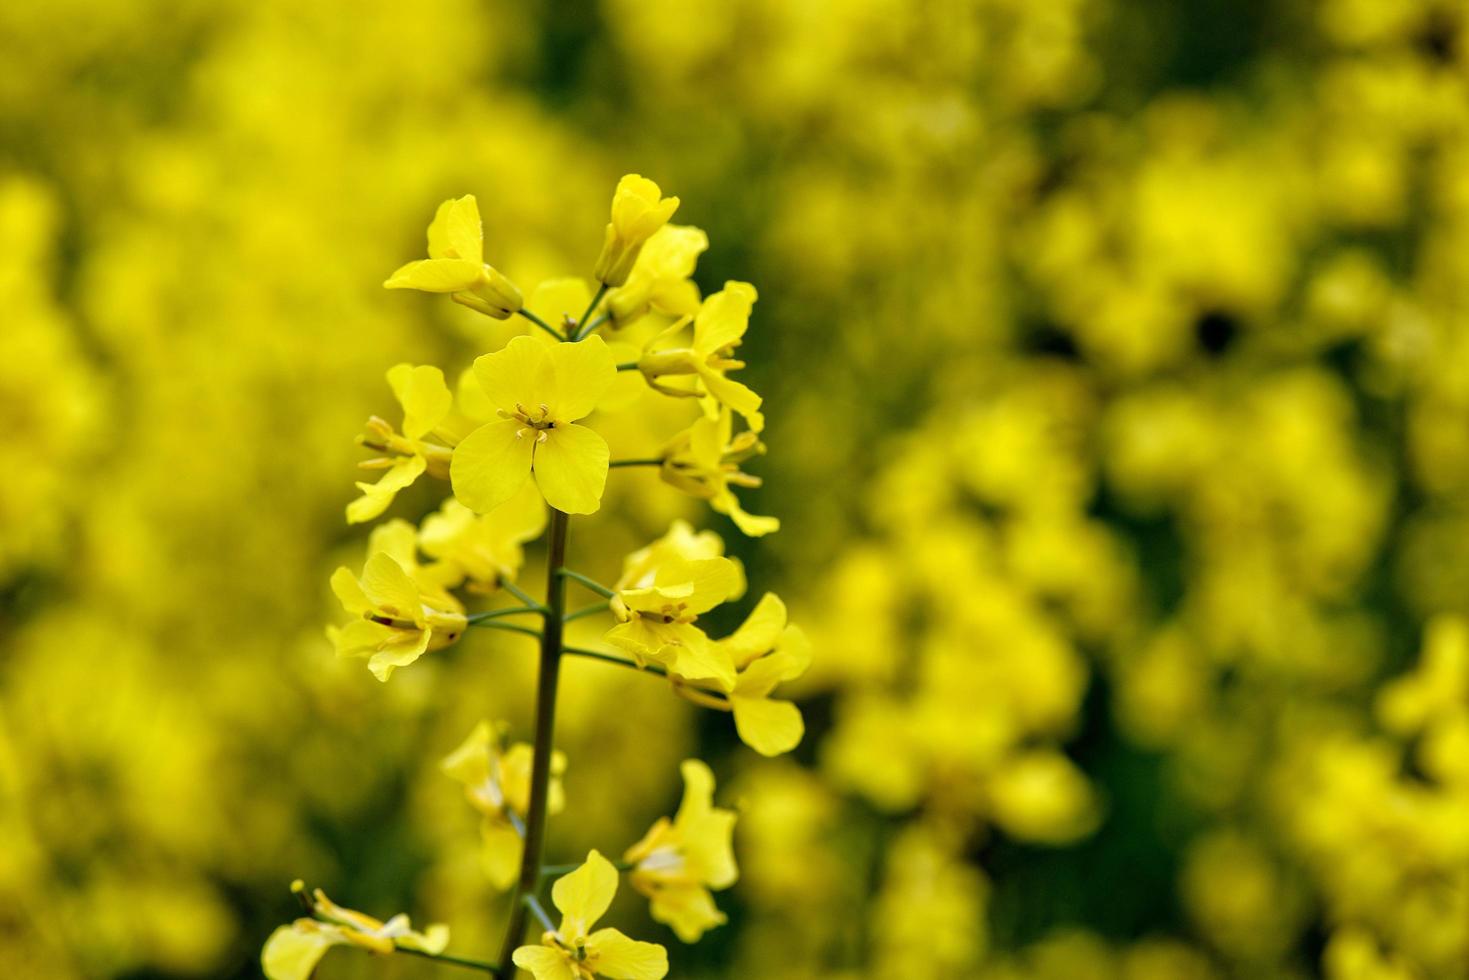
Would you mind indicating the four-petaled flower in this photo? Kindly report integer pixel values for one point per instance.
(292, 952)
(678, 861)
(456, 263)
(398, 618)
(660, 278)
(573, 951)
(704, 461)
(426, 405)
(719, 328)
(496, 781)
(638, 210)
(657, 614)
(484, 550)
(539, 391)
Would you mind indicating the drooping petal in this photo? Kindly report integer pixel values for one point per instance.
(714, 580)
(500, 852)
(737, 396)
(614, 955)
(519, 376)
(293, 951)
(400, 653)
(544, 963)
(377, 497)
(693, 656)
(698, 792)
(491, 464)
(390, 588)
(768, 727)
(709, 848)
(571, 468)
(688, 910)
(424, 396)
(456, 232)
(584, 895)
(398, 540)
(751, 525)
(361, 638)
(437, 275)
(581, 374)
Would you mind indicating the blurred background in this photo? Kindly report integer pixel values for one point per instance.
(1116, 357)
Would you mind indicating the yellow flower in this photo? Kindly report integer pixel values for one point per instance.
(399, 618)
(680, 541)
(292, 952)
(485, 550)
(539, 391)
(426, 405)
(660, 278)
(456, 263)
(766, 650)
(497, 783)
(718, 329)
(703, 461)
(678, 861)
(638, 210)
(573, 952)
(657, 616)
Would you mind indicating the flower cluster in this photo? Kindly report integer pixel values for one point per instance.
(518, 446)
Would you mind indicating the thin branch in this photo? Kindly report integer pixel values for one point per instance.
(636, 462)
(614, 659)
(481, 617)
(588, 582)
(520, 594)
(541, 323)
(592, 610)
(583, 331)
(539, 911)
(557, 870)
(450, 960)
(495, 624)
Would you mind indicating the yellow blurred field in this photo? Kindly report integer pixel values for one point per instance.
(1115, 365)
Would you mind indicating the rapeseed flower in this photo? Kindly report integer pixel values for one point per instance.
(456, 263)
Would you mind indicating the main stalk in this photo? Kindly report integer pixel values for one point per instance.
(540, 769)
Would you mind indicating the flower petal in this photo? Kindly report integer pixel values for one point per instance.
(400, 653)
(349, 592)
(581, 374)
(571, 468)
(455, 232)
(377, 497)
(518, 376)
(584, 895)
(768, 727)
(724, 317)
(424, 396)
(544, 963)
(614, 955)
(437, 275)
(491, 464)
(390, 589)
(293, 951)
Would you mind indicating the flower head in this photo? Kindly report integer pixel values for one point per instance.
(657, 616)
(765, 651)
(398, 619)
(496, 780)
(704, 461)
(419, 448)
(638, 210)
(292, 952)
(539, 391)
(678, 861)
(660, 279)
(719, 328)
(456, 263)
(573, 951)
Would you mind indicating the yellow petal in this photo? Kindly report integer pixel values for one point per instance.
(555, 299)
(424, 396)
(377, 497)
(544, 963)
(362, 638)
(639, 209)
(518, 376)
(401, 653)
(724, 317)
(390, 589)
(455, 232)
(500, 853)
(737, 396)
(581, 374)
(768, 727)
(398, 540)
(695, 657)
(614, 955)
(750, 525)
(292, 952)
(437, 275)
(584, 895)
(349, 593)
(713, 581)
(689, 910)
(760, 631)
(491, 464)
(571, 468)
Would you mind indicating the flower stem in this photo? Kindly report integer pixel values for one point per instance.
(589, 582)
(613, 659)
(451, 960)
(529, 878)
(541, 323)
(557, 870)
(519, 593)
(582, 331)
(539, 911)
(495, 624)
(628, 366)
(592, 610)
(480, 617)
(636, 462)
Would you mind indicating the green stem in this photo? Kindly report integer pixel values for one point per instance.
(541, 323)
(628, 366)
(557, 870)
(601, 319)
(520, 594)
(636, 462)
(495, 624)
(451, 960)
(481, 617)
(529, 878)
(583, 331)
(613, 659)
(592, 610)
(539, 911)
(590, 583)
